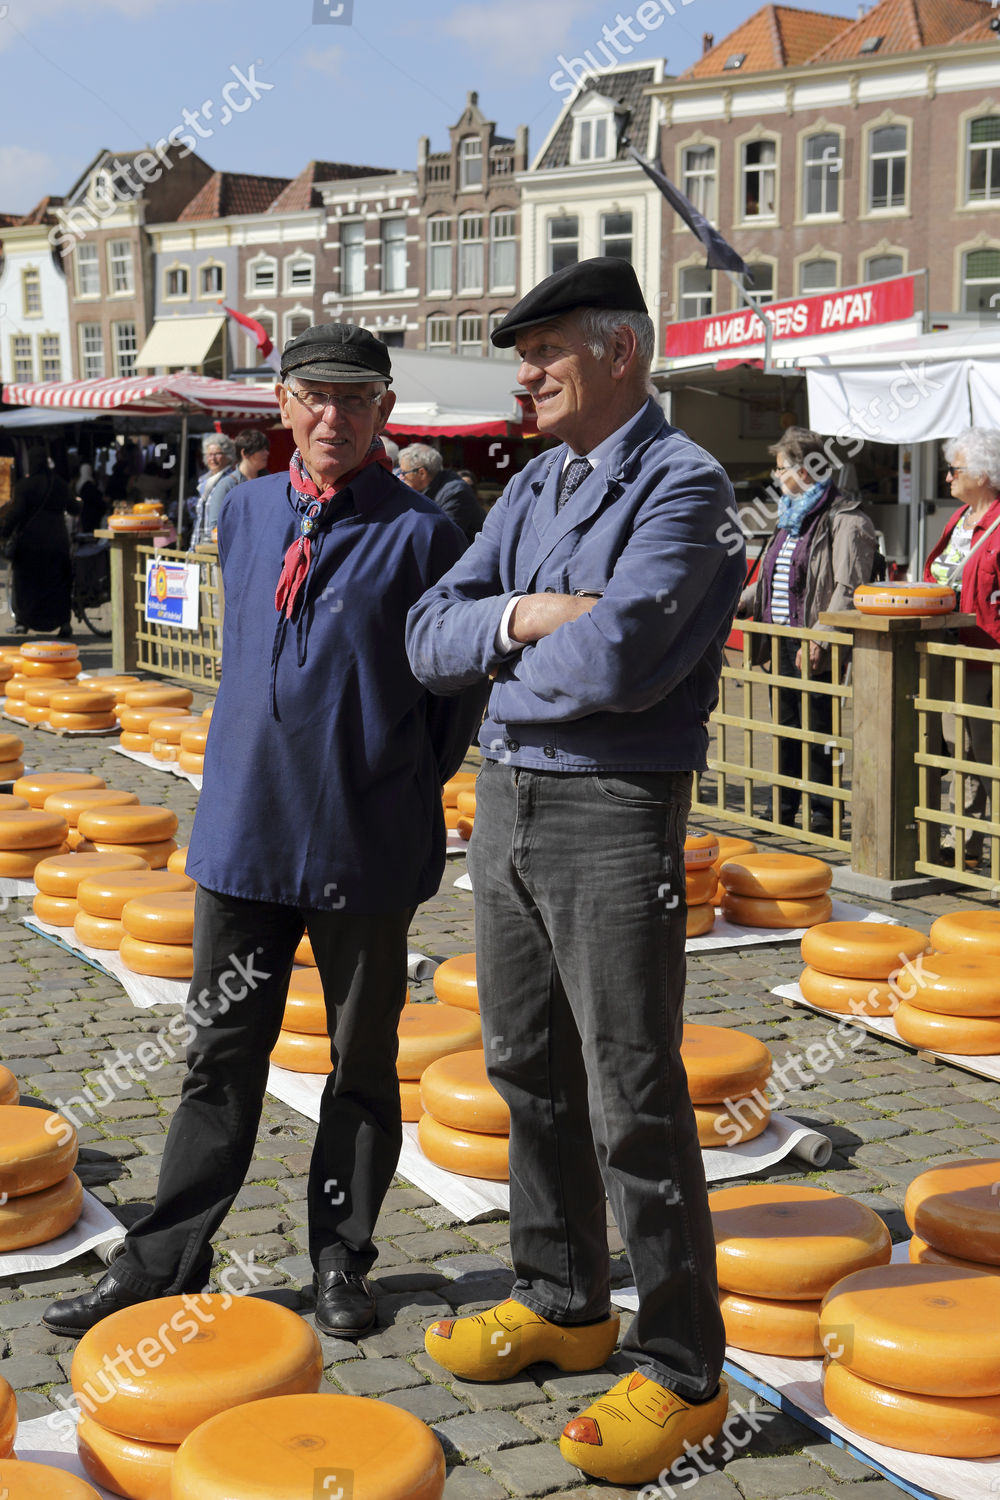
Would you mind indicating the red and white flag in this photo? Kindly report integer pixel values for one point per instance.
(265, 348)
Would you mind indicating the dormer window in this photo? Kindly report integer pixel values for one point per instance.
(470, 162)
(733, 61)
(595, 137)
(102, 190)
(871, 44)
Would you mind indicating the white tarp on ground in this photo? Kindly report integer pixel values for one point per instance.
(96, 1229)
(52, 1441)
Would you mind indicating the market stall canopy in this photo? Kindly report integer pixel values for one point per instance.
(442, 395)
(178, 342)
(190, 394)
(28, 419)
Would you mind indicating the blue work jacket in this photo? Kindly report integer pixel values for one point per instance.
(629, 686)
(325, 758)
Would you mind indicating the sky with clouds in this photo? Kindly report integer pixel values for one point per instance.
(360, 84)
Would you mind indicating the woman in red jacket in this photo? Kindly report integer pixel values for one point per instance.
(967, 558)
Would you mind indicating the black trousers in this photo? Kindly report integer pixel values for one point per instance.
(243, 959)
(820, 757)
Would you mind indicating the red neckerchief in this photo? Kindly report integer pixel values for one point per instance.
(295, 568)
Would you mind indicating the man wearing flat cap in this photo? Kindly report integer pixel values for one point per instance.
(320, 814)
(598, 596)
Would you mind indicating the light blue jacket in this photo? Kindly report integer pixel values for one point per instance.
(629, 686)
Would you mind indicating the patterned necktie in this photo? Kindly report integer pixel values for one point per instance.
(572, 477)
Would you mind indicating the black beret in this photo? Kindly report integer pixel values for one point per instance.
(336, 351)
(604, 282)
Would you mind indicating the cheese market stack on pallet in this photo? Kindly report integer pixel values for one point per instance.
(849, 965)
(727, 1072)
(11, 763)
(455, 982)
(27, 836)
(165, 729)
(102, 897)
(701, 850)
(462, 781)
(191, 754)
(70, 804)
(303, 1044)
(137, 829)
(776, 890)
(141, 705)
(954, 1212)
(465, 1126)
(159, 934)
(953, 1005)
(40, 1195)
(427, 1032)
(58, 877)
(779, 1250)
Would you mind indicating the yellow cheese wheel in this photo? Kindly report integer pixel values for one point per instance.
(8, 1419)
(34, 713)
(37, 1149)
(61, 669)
(166, 917)
(36, 1218)
(467, 1152)
(11, 769)
(723, 1064)
(50, 651)
(194, 737)
(104, 894)
(462, 781)
(904, 599)
(455, 982)
(427, 1032)
(162, 960)
(177, 862)
(169, 726)
(967, 932)
(193, 764)
(301, 1053)
(129, 521)
(126, 1466)
(159, 695)
(923, 1254)
(6, 670)
(775, 875)
(768, 1326)
(451, 817)
(98, 932)
(19, 864)
(41, 696)
(82, 723)
(732, 848)
(860, 997)
(17, 686)
(457, 1092)
(9, 1091)
(956, 1208)
(76, 841)
(10, 803)
(466, 803)
(409, 1099)
(138, 742)
(42, 784)
(792, 1241)
(70, 805)
(33, 829)
(22, 1481)
(700, 849)
(137, 720)
(732, 1123)
(700, 919)
(155, 855)
(108, 681)
(61, 874)
(164, 752)
(84, 700)
(11, 748)
(965, 1036)
(950, 1427)
(286, 1449)
(700, 883)
(464, 827)
(759, 911)
(927, 1329)
(57, 911)
(861, 950)
(305, 1007)
(132, 824)
(226, 1351)
(964, 983)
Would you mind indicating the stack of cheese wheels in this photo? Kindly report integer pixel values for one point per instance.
(701, 850)
(136, 520)
(303, 1044)
(142, 704)
(82, 708)
(849, 964)
(466, 812)
(35, 704)
(427, 1032)
(913, 1358)
(209, 1353)
(143, 830)
(11, 751)
(27, 836)
(727, 1072)
(904, 599)
(159, 934)
(40, 1194)
(178, 863)
(455, 982)
(774, 889)
(8, 1419)
(290, 1447)
(70, 805)
(101, 898)
(954, 1214)
(191, 757)
(50, 659)
(729, 848)
(967, 932)
(165, 731)
(953, 1004)
(462, 781)
(9, 1091)
(40, 785)
(779, 1249)
(466, 1124)
(58, 877)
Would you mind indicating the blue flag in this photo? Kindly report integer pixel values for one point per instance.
(721, 255)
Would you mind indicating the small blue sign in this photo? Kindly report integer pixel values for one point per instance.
(333, 12)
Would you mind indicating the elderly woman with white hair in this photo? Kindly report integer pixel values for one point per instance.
(219, 455)
(967, 559)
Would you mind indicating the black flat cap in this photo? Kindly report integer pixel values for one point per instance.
(336, 351)
(603, 282)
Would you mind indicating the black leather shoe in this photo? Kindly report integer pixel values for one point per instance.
(74, 1316)
(345, 1304)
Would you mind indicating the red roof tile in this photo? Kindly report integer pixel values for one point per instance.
(43, 211)
(301, 193)
(775, 36)
(906, 26)
(228, 193)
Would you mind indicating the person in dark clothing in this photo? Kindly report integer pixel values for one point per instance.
(93, 504)
(422, 468)
(42, 574)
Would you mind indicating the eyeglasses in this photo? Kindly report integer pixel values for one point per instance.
(786, 469)
(319, 402)
(415, 470)
(951, 469)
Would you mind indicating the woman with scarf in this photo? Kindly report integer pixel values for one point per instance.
(822, 548)
(219, 454)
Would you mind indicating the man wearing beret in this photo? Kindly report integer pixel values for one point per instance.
(320, 813)
(598, 596)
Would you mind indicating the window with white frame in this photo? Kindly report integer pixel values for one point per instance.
(470, 253)
(91, 351)
(822, 166)
(470, 334)
(760, 281)
(616, 235)
(983, 181)
(211, 280)
(564, 242)
(121, 278)
(439, 255)
(594, 138)
(299, 275)
(698, 171)
(495, 319)
(503, 251)
(21, 361)
(126, 348)
(818, 275)
(31, 291)
(102, 189)
(394, 254)
(177, 282)
(696, 300)
(88, 271)
(470, 162)
(882, 267)
(439, 333)
(263, 275)
(759, 179)
(49, 356)
(296, 323)
(981, 280)
(352, 258)
(887, 168)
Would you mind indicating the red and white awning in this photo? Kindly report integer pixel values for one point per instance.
(151, 393)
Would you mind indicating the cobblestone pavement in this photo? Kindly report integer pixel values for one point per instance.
(888, 1112)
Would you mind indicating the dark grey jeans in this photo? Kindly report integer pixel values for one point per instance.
(580, 931)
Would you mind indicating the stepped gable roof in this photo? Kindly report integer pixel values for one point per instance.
(227, 193)
(302, 193)
(776, 36)
(906, 26)
(625, 86)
